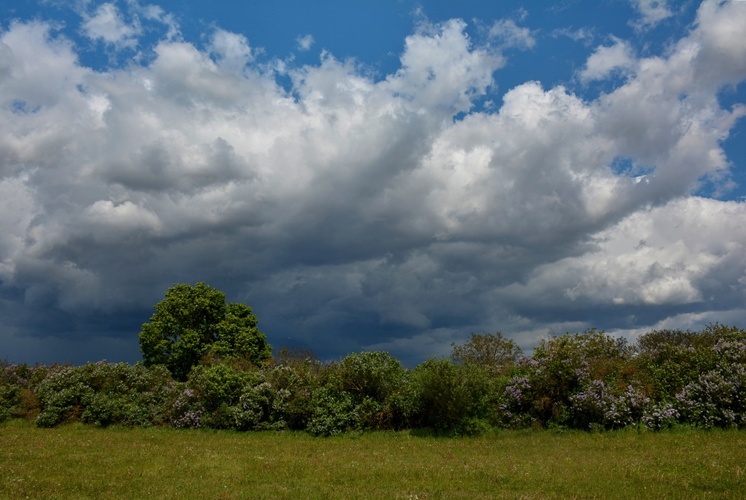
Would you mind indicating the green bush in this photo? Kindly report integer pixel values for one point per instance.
(332, 412)
(218, 389)
(260, 407)
(296, 379)
(454, 399)
(563, 366)
(586, 380)
(105, 394)
(10, 397)
(18, 384)
(673, 359)
(372, 379)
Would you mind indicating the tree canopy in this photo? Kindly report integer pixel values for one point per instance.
(489, 350)
(193, 323)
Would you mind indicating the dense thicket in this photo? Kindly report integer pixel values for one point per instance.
(587, 380)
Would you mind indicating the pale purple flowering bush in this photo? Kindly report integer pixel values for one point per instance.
(658, 416)
(599, 406)
(716, 399)
(104, 394)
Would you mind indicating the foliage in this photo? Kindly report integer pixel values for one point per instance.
(297, 378)
(717, 398)
(18, 385)
(104, 394)
(673, 359)
(332, 412)
(597, 406)
(489, 350)
(564, 367)
(9, 400)
(453, 399)
(588, 380)
(375, 381)
(193, 323)
(260, 407)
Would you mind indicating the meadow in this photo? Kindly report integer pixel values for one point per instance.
(84, 461)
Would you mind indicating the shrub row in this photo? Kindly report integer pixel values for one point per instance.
(587, 380)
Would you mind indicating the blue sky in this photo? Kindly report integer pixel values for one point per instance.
(388, 175)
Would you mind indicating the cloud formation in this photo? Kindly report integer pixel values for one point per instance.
(511, 35)
(106, 24)
(356, 212)
(651, 12)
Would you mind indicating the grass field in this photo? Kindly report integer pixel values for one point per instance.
(78, 461)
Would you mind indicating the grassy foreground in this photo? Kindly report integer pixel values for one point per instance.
(77, 461)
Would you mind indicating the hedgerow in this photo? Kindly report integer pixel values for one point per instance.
(588, 380)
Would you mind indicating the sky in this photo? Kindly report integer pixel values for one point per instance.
(373, 175)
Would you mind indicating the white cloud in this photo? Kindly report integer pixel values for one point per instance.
(108, 25)
(305, 42)
(125, 216)
(440, 68)
(608, 60)
(687, 251)
(577, 35)
(231, 50)
(651, 13)
(512, 35)
(718, 44)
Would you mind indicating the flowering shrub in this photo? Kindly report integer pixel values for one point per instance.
(18, 384)
(516, 402)
(558, 387)
(9, 400)
(672, 359)
(186, 410)
(105, 394)
(372, 379)
(716, 399)
(585, 381)
(599, 406)
(490, 350)
(657, 416)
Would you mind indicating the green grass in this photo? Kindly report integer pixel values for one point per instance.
(78, 461)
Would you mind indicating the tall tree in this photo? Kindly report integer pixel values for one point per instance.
(488, 350)
(193, 322)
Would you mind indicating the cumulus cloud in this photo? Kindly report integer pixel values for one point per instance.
(108, 25)
(651, 13)
(231, 50)
(511, 35)
(688, 251)
(355, 212)
(607, 60)
(305, 42)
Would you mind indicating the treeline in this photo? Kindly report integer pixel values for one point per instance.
(587, 380)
